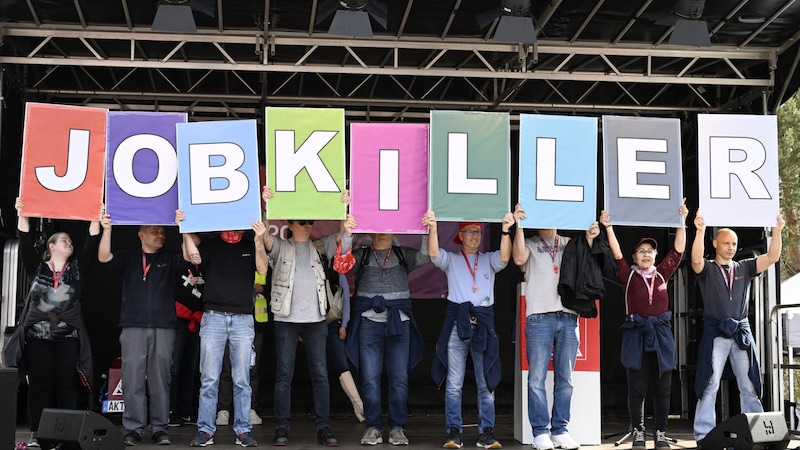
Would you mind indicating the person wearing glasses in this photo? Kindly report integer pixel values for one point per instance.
(648, 347)
(725, 287)
(299, 305)
(468, 325)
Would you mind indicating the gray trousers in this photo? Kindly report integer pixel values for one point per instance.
(146, 359)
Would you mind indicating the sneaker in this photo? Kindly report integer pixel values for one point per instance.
(372, 436)
(543, 442)
(564, 441)
(175, 420)
(325, 437)
(33, 442)
(638, 439)
(223, 418)
(201, 439)
(453, 439)
(254, 418)
(660, 438)
(398, 437)
(487, 439)
(281, 437)
(161, 438)
(246, 439)
(132, 438)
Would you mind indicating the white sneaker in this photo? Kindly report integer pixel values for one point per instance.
(254, 418)
(565, 441)
(372, 437)
(223, 418)
(543, 442)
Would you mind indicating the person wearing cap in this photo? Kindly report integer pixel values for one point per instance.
(229, 260)
(468, 325)
(725, 287)
(551, 329)
(648, 347)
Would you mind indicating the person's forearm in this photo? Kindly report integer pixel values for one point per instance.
(698, 249)
(518, 252)
(680, 239)
(104, 249)
(613, 242)
(433, 242)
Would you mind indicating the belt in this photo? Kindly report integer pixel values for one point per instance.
(222, 313)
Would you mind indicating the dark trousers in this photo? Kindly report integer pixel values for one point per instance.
(337, 356)
(183, 373)
(639, 382)
(52, 377)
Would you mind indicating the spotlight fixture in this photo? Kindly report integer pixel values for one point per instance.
(516, 22)
(174, 16)
(352, 17)
(690, 27)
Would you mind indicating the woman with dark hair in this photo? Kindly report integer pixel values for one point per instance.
(56, 342)
(648, 347)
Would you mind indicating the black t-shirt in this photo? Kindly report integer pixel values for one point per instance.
(718, 302)
(228, 271)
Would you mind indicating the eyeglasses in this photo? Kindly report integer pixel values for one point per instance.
(471, 233)
(304, 222)
(646, 251)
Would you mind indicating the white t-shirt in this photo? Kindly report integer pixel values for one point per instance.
(541, 294)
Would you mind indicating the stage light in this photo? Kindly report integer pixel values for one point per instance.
(174, 16)
(352, 17)
(516, 23)
(690, 28)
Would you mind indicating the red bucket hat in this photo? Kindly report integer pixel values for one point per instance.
(461, 226)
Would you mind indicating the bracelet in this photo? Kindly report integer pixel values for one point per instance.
(505, 233)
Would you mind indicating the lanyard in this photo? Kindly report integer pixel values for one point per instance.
(473, 270)
(57, 275)
(552, 251)
(650, 285)
(145, 267)
(728, 280)
(385, 261)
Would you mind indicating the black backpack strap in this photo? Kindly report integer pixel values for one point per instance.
(400, 256)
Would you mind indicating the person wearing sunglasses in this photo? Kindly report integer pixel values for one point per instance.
(468, 325)
(299, 306)
(648, 347)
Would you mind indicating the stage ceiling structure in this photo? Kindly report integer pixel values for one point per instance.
(590, 57)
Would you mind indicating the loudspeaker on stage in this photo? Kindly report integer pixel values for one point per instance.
(750, 431)
(78, 430)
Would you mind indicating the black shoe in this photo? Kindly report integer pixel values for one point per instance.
(161, 438)
(453, 439)
(175, 420)
(132, 438)
(281, 437)
(487, 439)
(325, 437)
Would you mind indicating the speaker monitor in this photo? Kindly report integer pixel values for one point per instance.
(751, 431)
(78, 430)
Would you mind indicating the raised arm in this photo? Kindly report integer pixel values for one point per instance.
(613, 242)
(262, 260)
(519, 252)
(429, 220)
(190, 241)
(104, 254)
(94, 226)
(23, 224)
(774, 252)
(699, 245)
(505, 238)
(680, 233)
(269, 240)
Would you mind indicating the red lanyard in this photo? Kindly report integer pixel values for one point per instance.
(385, 261)
(472, 270)
(552, 251)
(729, 280)
(57, 275)
(650, 285)
(145, 267)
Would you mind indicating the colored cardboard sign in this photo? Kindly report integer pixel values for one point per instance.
(389, 177)
(558, 171)
(642, 170)
(142, 168)
(218, 182)
(737, 158)
(63, 149)
(305, 163)
(470, 164)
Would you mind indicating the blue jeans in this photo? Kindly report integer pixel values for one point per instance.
(374, 346)
(216, 331)
(705, 416)
(555, 334)
(314, 338)
(456, 368)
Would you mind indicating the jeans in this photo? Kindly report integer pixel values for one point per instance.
(225, 399)
(51, 376)
(705, 416)
(456, 368)
(185, 360)
(314, 338)
(216, 331)
(556, 334)
(374, 346)
(639, 383)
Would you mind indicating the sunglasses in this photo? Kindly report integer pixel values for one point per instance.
(471, 233)
(304, 222)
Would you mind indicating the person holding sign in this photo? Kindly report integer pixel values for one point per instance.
(384, 332)
(148, 323)
(299, 306)
(468, 325)
(648, 346)
(725, 286)
(56, 341)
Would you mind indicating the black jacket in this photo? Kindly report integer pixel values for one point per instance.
(581, 274)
